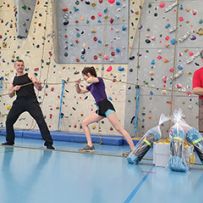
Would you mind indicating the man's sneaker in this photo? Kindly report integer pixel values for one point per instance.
(87, 148)
(50, 147)
(8, 143)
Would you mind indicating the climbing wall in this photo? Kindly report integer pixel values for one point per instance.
(190, 24)
(91, 31)
(24, 11)
(62, 111)
(163, 58)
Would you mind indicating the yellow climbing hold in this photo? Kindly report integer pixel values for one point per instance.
(8, 107)
(200, 31)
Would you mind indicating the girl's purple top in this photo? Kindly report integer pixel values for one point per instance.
(98, 90)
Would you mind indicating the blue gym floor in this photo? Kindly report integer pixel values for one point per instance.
(41, 176)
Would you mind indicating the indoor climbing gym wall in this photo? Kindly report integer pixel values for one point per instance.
(36, 30)
(165, 53)
(24, 12)
(99, 36)
(146, 50)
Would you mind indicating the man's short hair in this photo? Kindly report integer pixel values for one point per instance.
(19, 60)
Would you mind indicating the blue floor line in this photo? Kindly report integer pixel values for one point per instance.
(137, 188)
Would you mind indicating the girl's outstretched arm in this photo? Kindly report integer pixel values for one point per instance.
(92, 80)
(80, 89)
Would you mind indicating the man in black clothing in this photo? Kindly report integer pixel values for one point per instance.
(23, 86)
